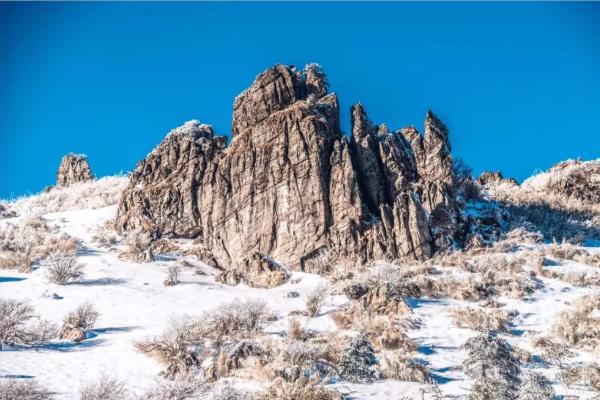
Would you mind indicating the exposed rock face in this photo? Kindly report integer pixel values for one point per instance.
(73, 168)
(291, 186)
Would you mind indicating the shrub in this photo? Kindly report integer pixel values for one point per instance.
(237, 319)
(315, 299)
(302, 389)
(62, 268)
(401, 368)
(358, 363)
(14, 389)
(172, 276)
(536, 386)
(78, 322)
(295, 331)
(20, 325)
(106, 388)
(578, 325)
(491, 363)
(185, 387)
(139, 247)
(178, 348)
(484, 320)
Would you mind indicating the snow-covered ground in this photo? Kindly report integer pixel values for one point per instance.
(134, 305)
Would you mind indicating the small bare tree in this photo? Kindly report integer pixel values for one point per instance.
(62, 268)
(20, 325)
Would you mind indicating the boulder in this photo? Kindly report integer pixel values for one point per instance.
(73, 168)
(384, 299)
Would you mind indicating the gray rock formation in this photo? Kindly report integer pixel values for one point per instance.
(291, 186)
(73, 168)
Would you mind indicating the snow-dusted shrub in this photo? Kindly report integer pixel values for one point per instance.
(139, 247)
(178, 348)
(26, 241)
(387, 333)
(397, 366)
(491, 364)
(237, 319)
(226, 392)
(568, 251)
(295, 330)
(484, 320)
(315, 299)
(590, 375)
(78, 322)
(302, 389)
(358, 363)
(578, 325)
(106, 388)
(16, 389)
(185, 387)
(20, 325)
(536, 386)
(172, 276)
(91, 194)
(62, 268)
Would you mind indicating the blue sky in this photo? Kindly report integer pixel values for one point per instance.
(518, 84)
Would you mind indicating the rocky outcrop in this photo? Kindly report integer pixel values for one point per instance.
(258, 270)
(494, 178)
(291, 186)
(73, 168)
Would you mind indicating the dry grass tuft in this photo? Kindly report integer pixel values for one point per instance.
(302, 389)
(577, 325)
(399, 367)
(484, 320)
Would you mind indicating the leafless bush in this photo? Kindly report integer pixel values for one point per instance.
(172, 276)
(315, 299)
(178, 348)
(237, 319)
(61, 268)
(397, 366)
(185, 387)
(578, 326)
(484, 320)
(15, 389)
(20, 325)
(107, 388)
(78, 322)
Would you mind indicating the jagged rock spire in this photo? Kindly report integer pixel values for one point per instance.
(290, 185)
(73, 168)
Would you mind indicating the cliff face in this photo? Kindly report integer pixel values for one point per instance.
(291, 186)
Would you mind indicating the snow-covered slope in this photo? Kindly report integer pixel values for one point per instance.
(134, 305)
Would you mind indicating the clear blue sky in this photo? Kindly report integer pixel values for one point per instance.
(518, 84)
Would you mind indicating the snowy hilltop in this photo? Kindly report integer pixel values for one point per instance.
(297, 263)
